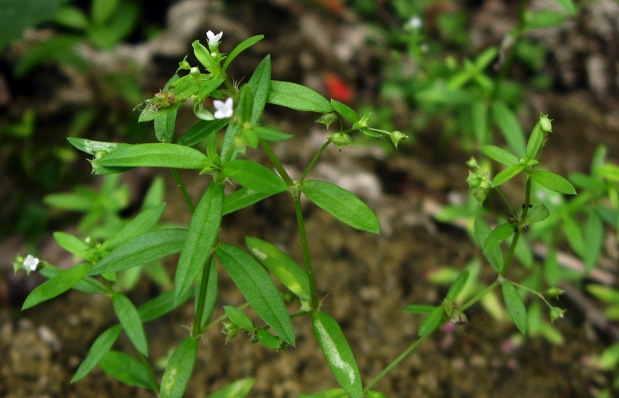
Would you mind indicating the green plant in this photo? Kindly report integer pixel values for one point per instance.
(140, 242)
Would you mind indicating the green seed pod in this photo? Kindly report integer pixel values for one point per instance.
(340, 140)
(397, 136)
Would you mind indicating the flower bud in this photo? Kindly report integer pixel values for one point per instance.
(553, 292)
(340, 140)
(183, 65)
(327, 119)
(545, 123)
(472, 162)
(230, 330)
(556, 313)
(194, 71)
(397, 136)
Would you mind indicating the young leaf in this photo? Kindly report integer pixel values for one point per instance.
(537, 213)
(244, 45)
(342, 205)
(260, 85)
(246, 104)
(254, 176)
(338, 354)
(56, 286)
(268, 134)
(85, 285)
(554, 182)
(507, 174)
(204, 56)
(202, 130)
(594, 239)
(201, 237)
(141, 224)
(573, 233)
(535, 141)
(281, 265)
(72, 244)
(498, 235)
(242, 198)
(130, 319)
(432, 321)
(239, 318)
(145, 248)
(237, 389)
(164, 126)
(500, 155)
(456, 287)
(178, 369)
(258, 289)
(295, 96)
(515, 306)
(161, 305)
(268, 340)
(154, 155)
(494, 256)
(211, 292)
(508, 123)
(126, 369)
(91, 147)
(345, 110)
(99, 348)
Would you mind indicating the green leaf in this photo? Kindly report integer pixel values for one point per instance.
(102, 10)
(345, 110)
(92, 147)
(201, 237)
(568, 5)
(500, 155)
(268, 134)
(141, 250)
(54, 48)
(72, 244)
(338, 354)
(498, 235)
(130, 319)
(260, 84)
(607, 294)
(573, 234)
(258, 289)
(340, 393)
(594, 239)
(228, 149)
(537, 213)
(141, 224)
(126, 369)
(161, 305)
(494, 256)
(509, 126)
(85, 285)
(554, 182)
(479, 119)
(507, 174)
(515, 306)
(154, 155)
(244, 45)
(239, 318)
(179, 368)
(254, 176)
(164, 126)
(295, 96)
(242, 198)
(99, 348)
(201, 130)
(246, 104)
(535, 141)
(237, 389)
(432, 321)
(56, 286)
(204, 56)
(289, 273)
(456, 287)
(419, 308)
(342, 205)
(16, 16)
(268, 340)
(211, 292)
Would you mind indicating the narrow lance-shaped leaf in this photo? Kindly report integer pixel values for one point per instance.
(457, 286)
(500, 155)
(498, 235)
(85, 285)
(535, 141)
(342, 205)
(244, 45)
(164, 126)
(537, 213)
(260, 84)
(432, 321)
(141, 224)
(130, 319)
(239, 318)
(99, 348)
(507, 174)
(594, 239)
(515, 306)
(201, 237)
(494, 256)
(345, 110)
(338, 354)
(296, 96)
(178, 369)
(154, 155)
(201, 130)
(126, 369)
(145, 248)
(56, 286)
(242, 198)
(254, 176)
(161, 305)
(72, 244)
(258, 289)
(211, 292)
(237, 389)
(554, 182)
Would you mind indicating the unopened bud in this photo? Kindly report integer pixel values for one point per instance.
(556, 313)
(545, 123)
(397, 136)
(340, 140)
(553, 292)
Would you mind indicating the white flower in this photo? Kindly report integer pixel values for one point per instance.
(31, 262)
(415, 22)
(224, 109)
(213, 39)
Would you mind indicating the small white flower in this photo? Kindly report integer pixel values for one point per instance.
(31, 262)
(224, 109)
(415, 22)
(213, 39)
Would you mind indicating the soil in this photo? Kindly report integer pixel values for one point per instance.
(364, 280)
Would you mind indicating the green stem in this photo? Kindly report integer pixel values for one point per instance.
(181, 186)
(519, 227)
(313, 162)
(538, 294)
(221, 318)
(276, 163)
(206, 271)
(306, 254)
(479, 296)
(395, 362)
(149, 371)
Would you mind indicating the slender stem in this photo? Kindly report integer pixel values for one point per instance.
(306, 254)
(313, 162)
(521, 224)
(221, 318)
(479, 296)
(535, 292)
(395, 362)
(276, 163)
(149, 371)
(181, 186)
(206, 271)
